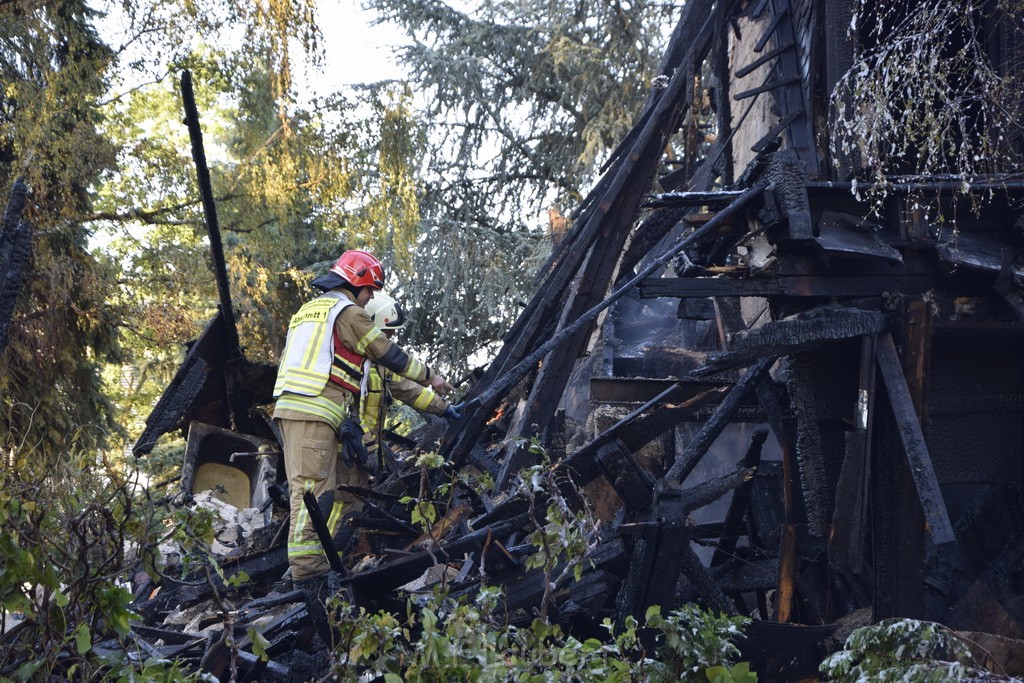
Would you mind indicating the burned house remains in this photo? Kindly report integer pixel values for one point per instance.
(791, 388)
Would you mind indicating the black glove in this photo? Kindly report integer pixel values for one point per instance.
(453, 412)
(353, 452)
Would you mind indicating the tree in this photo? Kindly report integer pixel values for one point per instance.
(52, 65)
(53, 132)
(521, 103)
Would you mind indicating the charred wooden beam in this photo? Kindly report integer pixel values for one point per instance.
(846, 536)
(654, 566)
(220, 270)
(712, 200)
(634, 390)
(789, 285)
(633, 484)
(810, 455)
(921, 469)
(786, 180)
(788, 540)
(696, 449)
(789, 337)
(739, 504)
(387, 577)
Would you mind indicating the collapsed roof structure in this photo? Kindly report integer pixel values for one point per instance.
(786, 399)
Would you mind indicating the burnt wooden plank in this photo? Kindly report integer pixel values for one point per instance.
(633, 390)
(763, 59)
(846, 538)
(850, 235)
(790, 337)
(390, 575)
(789, 285)
(633, 484)
(771, 85)
(776, 130)
(197, 390)
(696, 449)
(732, 526)
(637, 429)
(921, 469)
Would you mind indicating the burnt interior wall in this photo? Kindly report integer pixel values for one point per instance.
(975, 422)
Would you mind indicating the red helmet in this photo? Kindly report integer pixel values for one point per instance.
(357, 267)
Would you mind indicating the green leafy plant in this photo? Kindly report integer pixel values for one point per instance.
(456, 639)
(695, 642)
(566, 534)
(904, 650)
(67, 540)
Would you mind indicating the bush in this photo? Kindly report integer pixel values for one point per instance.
(69, 532)
(446, 639)
(904, 650)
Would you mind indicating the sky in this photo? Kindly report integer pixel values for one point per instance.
(354, 50)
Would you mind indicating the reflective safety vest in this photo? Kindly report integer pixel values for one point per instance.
(377, 397)
(312, 356)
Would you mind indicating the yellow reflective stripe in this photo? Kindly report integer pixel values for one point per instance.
(300, 386)
(367, 339)
(314, 345)
(300, 521)
(314, 405)
(416, 370)
(301, 550)
(305, 374)
(332, 521)
(424, 400)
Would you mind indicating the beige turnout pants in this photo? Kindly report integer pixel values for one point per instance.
(312, 463)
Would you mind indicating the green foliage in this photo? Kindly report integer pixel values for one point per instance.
(531, 95)
(52, 67)
(67, 534)
(694, 641)
(903, 650)
(562, 535)
(446, 639)
(523, 101)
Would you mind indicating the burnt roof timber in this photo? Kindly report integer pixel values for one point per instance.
(710, 430)
(694, 31)
(790, 337)
(788, 285)
(915, 449)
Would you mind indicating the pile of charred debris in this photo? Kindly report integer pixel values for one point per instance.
(783, 401)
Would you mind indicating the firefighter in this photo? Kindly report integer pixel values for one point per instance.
(330, 343)
(382, 384)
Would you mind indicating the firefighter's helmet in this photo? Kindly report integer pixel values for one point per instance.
(387, 314)
(356, 267)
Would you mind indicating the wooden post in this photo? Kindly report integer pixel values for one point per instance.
(897, 521)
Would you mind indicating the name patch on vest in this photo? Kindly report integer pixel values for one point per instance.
(315, 311)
